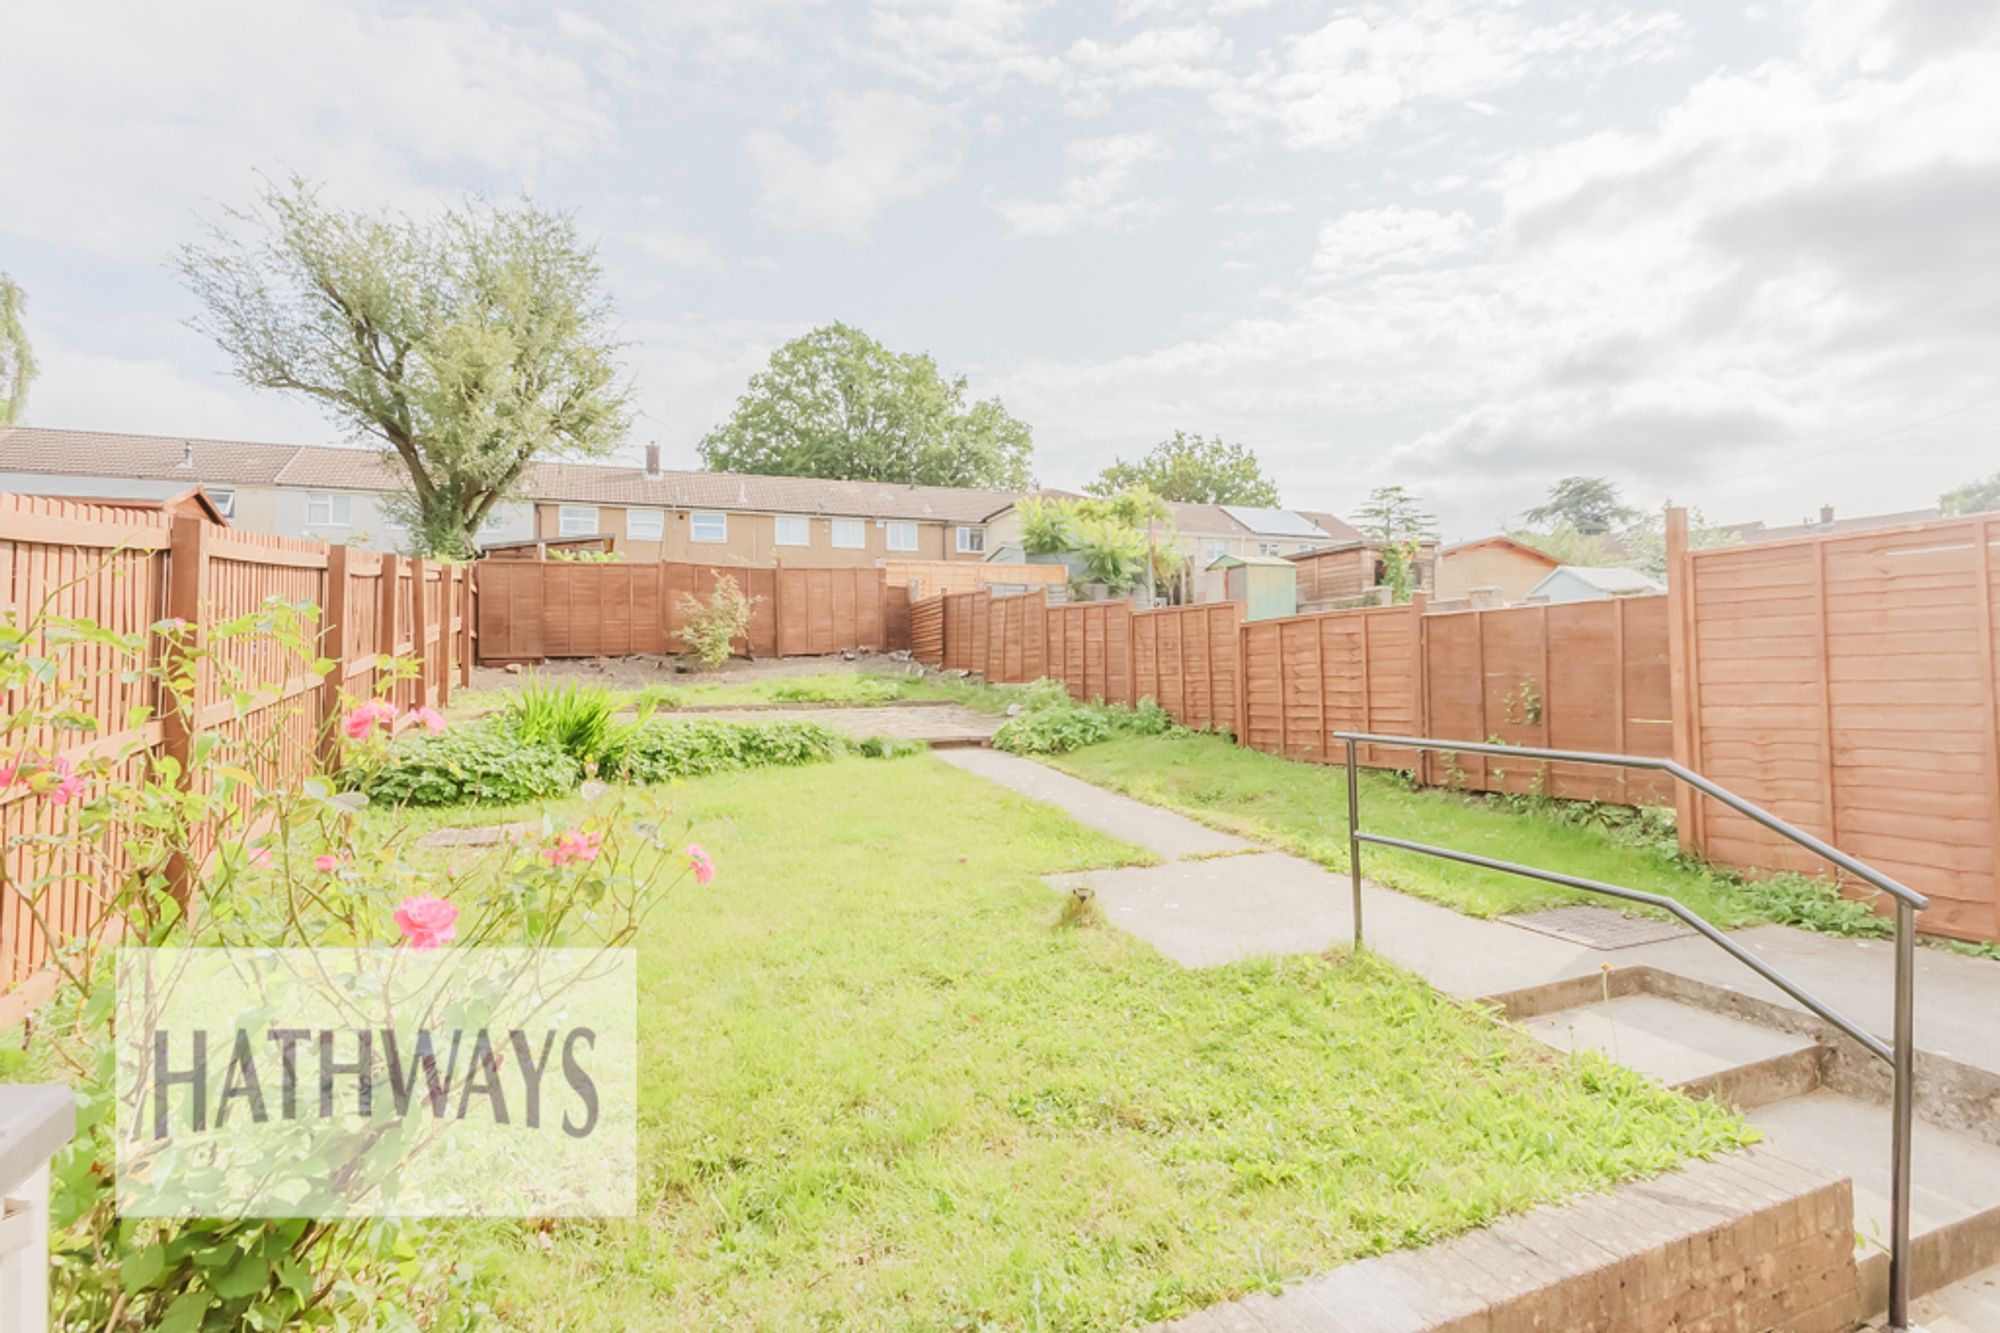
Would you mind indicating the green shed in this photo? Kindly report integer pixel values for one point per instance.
(1265, 585)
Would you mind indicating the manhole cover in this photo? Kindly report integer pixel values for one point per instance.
(1598, 927)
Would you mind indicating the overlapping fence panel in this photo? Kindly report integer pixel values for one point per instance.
(927, 630)
(1089, 647)
(1847, 683)
(127, 570)
(533, 610)
(1016, 638)
(1186, 658)
(1307, 677)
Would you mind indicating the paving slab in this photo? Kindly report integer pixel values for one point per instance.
(1672, 1042)
(1161, 832)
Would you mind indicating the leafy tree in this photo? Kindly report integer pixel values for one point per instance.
(1645, 542)
(1392, 514)
(1589, 504)
(1975, 497)
(17, 359)
(1567, 546)
(1045, 524)
(471, 344)
(1193, 469)
(837, 404)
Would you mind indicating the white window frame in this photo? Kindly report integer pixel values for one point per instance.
(1213, 549)
(714, 520)
(792, 530)
(967, 532)
(658, 519)
(859, 529)
(1267, 548)
(223, 498)
(577, 521)
(902, 535)
(339, 509)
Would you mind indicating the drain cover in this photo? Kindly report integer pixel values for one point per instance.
(1598, 927)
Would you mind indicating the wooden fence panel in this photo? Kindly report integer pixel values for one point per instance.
(1307, 677)
(1847, 683)
(1016, 630)
(1090, 650)
(927, 630)
(1186, 658)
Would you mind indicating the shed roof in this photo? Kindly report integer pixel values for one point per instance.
(1260, 561)
(1613, 579)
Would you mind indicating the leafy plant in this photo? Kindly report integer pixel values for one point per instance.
(838, 689)
(888, 747)
(587, 557)
(573, 716)
(1815, 903)
(1113, 553)
(1050, 722)
(485, 763)
(712, 626)
(1045, 524)
(663, 750)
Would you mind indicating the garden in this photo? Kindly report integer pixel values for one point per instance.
(887, 1076)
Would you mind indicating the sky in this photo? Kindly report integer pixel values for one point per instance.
(1738, 256)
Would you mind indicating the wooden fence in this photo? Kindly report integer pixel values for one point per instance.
(927, 630)
(1187, 658)
(1307, 677)
(530, 610)
(127, 570)
(1847, 683)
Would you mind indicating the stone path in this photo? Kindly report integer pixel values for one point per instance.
(1680, 1010)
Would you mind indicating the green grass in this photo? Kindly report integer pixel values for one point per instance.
(883, 1088)
(1303, 808)
(865, 688)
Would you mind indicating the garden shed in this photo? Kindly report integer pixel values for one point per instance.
(1265, 586)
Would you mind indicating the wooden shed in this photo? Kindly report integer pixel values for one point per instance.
(1263, 585)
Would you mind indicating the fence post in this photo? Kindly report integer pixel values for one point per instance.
(420, 628)
(1242, 682)
(187, 597)
(1420, 682)
(467, 632)
(336, 647)
(447, 628)
(1680, 613)
(385, 622)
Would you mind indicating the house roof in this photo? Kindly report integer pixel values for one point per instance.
(1615, 580)
(1275, 522)
(1333, 526)
(1507, 543)
(91, 453)
(1759, 532)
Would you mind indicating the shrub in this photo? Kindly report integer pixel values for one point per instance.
(489, 763)
(574, 717)
(713, 625)
(1053, 730)
(888, 747)
(1815, 902)
(663, 750)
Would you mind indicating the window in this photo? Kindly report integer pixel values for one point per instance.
(223, 498)
(794, 530)
(902, 536)
(972, 541)
(1304, 547)
(1267, 548)
(708, 527)
(329, 511)
(645, 525)
(849, 534)
(576, 521)
(1213, 549)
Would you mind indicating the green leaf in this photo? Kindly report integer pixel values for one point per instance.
(143, 1269)
(246, 1278)
(184, 1315)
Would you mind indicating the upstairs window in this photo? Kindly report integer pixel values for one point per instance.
(902, 536)
(645, 525)
(324, 510)
(708, 527)
(223, 498)
(971, 541)
(577, 521)
(849, 534)
(794, 530)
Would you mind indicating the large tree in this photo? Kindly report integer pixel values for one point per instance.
(17, 359)
(1975, 497)
(471, 344)
(835, 403)
(1591, 505)
(1193, 469)
(1392, 514)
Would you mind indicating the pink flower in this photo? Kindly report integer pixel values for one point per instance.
(426, 922)
(260, 857)
(432, 719)
(52, 779)
(326, 863)
(701, 863)
(367, 716)
(69, 782)
(572, 846)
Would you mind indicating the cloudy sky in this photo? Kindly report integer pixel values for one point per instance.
(1742, 256)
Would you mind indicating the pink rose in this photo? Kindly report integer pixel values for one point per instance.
(426, 922)
(367, 716)
(701, 863)
(572, 846)
(432, 719)
(326, 863)
(260, 857)
(69, 783)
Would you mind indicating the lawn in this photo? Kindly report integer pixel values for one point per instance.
(883, 1087)
(831, 687)
(1303, 808)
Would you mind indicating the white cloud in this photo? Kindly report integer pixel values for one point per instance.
(153, 395)
(122, 120)
(1099, 193)
(1378, 238)
(884, 147)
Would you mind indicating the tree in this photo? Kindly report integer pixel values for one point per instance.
(1589, 504)
(1193, 469)
(1566, 546)
(471, 344)
(17, 358)
(1975, 497)
(837, 404)
(1645, 542)
(1392, 515)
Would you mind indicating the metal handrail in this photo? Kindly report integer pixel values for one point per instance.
(1899, 1054)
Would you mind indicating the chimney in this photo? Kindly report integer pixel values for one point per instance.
(1826, 513)
(653, 462)
(187, 455)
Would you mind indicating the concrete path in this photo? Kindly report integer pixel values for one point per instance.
(1680, 1010)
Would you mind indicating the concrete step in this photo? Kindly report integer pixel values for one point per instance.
(1954, 1186)
(1970, 1305)
(1702, 1053)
